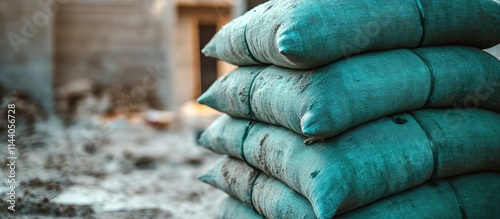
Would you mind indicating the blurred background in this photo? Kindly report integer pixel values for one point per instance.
(106, 118)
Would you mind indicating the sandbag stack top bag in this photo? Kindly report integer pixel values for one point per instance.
(302, 34)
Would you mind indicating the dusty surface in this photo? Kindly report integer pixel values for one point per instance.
(114, 169)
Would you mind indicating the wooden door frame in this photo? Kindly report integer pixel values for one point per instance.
(209, 13)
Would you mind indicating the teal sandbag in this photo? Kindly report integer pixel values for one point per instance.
(467, 196)
(234, 209)
(265, 194)
(251, 186)
(302, 34)
(374, 160)
(327, 101)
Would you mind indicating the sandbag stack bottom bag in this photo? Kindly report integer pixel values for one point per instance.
(324, 131)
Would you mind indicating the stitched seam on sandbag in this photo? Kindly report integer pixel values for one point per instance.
(250, 118)
(459, 200)
(431, 73)
(433, 148)
(251, 191)
(249, 52)
(250, 124)
(250, 89)
(423, 22)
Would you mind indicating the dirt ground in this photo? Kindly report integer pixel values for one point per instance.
(113, 169)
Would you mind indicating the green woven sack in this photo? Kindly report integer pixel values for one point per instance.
(327, 101)
(231, 208)
(468, 196)
(302, 34)
(265, 194)
(372, 161)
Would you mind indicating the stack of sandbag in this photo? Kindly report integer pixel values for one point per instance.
(360, 166)
(475, 195)
(404, 132)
